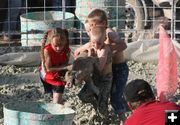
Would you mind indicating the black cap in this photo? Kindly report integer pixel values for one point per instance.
(138, 90)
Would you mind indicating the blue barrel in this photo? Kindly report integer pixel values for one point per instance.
(34, 24)
(37, 113)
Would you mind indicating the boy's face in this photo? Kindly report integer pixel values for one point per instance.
(97, 41)
(90, 23)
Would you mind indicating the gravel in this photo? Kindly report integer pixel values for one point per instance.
(22, 84)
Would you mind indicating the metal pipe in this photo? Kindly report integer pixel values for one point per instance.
(44, 9)
(173, 16)
(64, 11)
(26, 23)
(117, 15)
(9, 19)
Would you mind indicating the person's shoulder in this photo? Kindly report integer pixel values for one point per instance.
(172, 105)
(48, 46)
(132, 120)
(67, 48)
(164, 105)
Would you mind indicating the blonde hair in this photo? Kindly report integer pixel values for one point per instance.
(49, 35)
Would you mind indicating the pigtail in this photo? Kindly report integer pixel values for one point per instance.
(44, 40)
(68, 51)
(66, 37)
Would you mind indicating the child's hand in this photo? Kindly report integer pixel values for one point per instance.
(68, 79)
(92, 52)
(68, 85)
(69, 67)
(112, 35)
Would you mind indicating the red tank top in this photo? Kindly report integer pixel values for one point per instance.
(57, 59)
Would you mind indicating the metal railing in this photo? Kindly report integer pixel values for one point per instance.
(133, 28)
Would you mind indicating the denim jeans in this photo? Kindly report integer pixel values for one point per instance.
(120, 76)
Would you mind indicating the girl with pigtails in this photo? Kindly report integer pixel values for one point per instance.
(55, 54)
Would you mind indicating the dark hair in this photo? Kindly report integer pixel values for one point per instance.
(138, 90)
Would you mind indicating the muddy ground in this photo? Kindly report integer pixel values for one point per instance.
(22, 83)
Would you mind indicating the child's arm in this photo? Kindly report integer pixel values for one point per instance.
(81, 49)
(116, 42)
(50, 68)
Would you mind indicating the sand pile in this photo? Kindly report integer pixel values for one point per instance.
(22, 83)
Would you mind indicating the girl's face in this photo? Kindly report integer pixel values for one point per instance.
(57, 44)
